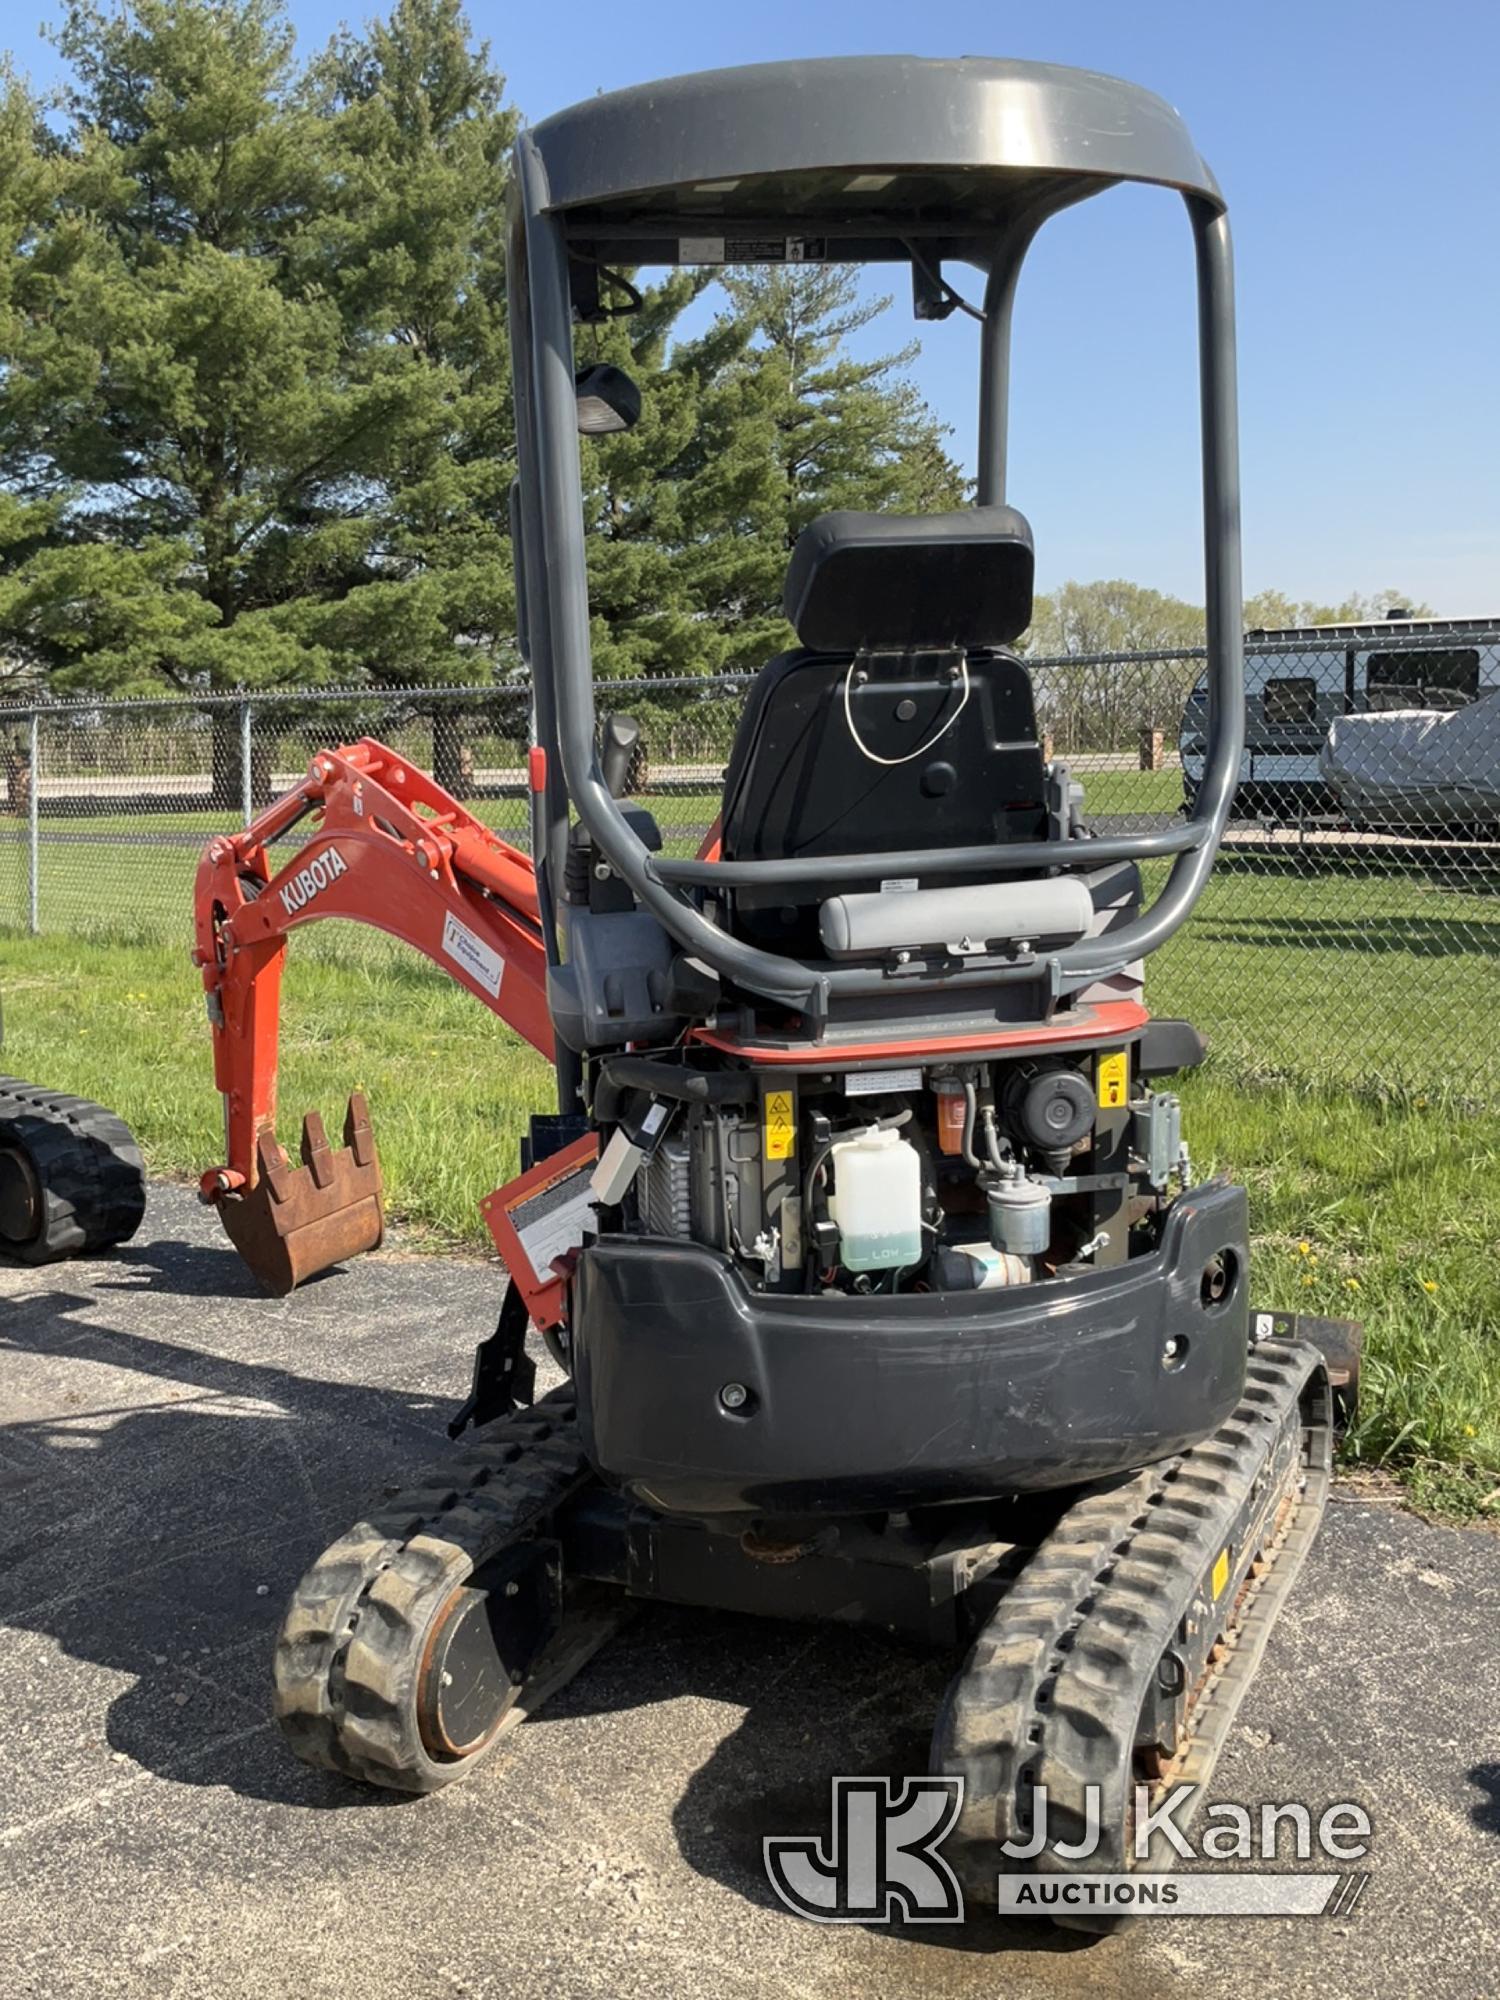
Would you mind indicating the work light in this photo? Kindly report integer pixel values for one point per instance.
(608, 400)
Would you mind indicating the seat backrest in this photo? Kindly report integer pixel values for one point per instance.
(894, 581)
(902, 723)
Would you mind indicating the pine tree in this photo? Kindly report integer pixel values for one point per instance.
(258, 434)
(258, 429)
(419, 138)
(645, 615)
(181, 380)
(850, 432)
(748, 431)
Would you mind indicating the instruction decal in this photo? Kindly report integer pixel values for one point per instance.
(781, 1125)
(1114, 1079)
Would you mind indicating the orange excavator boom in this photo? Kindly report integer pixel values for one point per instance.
(389, 848)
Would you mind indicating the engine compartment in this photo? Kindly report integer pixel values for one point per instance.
(941, 1176)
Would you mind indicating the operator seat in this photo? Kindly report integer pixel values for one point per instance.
(901, 722)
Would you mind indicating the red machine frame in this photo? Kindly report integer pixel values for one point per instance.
(393, 850)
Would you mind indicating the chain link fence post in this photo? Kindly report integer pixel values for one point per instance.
(247, 762)
(34, 827)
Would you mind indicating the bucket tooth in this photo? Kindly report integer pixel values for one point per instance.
(317, 1154)
(297, 1221)
(275, 1167)
(358, 1136)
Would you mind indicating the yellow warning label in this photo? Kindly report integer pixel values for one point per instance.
(781, 1127)
(1114, 1079)
(1221, 1574)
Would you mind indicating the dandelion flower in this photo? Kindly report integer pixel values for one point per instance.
(1352, 1283)
(1429, 1284)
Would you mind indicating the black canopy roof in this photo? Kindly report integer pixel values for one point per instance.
(708, 168)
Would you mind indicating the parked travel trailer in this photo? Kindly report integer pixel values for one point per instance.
(1298, 681)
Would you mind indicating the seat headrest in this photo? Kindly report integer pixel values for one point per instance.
(911, 580)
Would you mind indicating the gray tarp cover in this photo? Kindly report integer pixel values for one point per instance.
(1417, 765)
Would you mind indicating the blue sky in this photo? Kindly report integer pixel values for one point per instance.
(1358, 143)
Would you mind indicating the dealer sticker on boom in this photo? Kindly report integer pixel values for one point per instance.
(468, 949)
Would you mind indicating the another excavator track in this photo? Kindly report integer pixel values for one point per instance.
(71, 1177)
(356, 1636)
(1176, 1573)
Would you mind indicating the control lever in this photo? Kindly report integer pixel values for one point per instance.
(622, 735)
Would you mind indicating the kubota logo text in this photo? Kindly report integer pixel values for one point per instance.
(309, 881)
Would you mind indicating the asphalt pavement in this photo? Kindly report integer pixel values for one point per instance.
(175, 1447)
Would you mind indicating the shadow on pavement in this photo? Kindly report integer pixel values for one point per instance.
(1485, 1778)
(157, 1537)
(197, 1271)
(828, 1703)
(157, 1534)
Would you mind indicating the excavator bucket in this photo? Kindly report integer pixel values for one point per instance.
(297, 1221)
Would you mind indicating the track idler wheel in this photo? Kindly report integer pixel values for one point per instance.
(431, 1667)
(481, 1644)
(71, 1178)
(421, 1636)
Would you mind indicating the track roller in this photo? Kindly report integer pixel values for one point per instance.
(71, 1179)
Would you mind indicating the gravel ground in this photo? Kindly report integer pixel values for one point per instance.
(174, 1448)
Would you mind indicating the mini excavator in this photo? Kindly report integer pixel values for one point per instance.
(863, 1228)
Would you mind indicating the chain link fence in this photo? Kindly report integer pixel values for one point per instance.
(1350, 934)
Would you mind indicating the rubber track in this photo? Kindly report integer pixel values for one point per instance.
(351, 1642)
(88, 1164)
(1052, 1692)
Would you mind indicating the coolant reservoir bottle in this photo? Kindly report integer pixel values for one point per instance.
(877, 1200)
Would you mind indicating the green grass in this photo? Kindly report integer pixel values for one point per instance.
(94, 884)
(1385, 1210)
(124, 1023)
(1396, 1197)
(506, 814)
(1379, 979)
(1328, 968)
(1110, 790)
(1114, 791)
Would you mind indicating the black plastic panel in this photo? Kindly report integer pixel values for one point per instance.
(903, 580)
(862, 1403)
